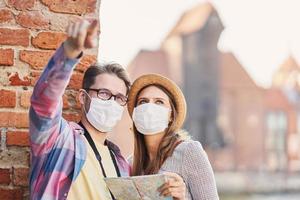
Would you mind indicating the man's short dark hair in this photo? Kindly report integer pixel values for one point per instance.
(110, 68)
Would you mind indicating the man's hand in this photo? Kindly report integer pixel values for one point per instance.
(82, 35)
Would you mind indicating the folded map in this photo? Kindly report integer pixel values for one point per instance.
(137, 187)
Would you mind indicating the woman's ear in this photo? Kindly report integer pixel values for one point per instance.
(171, 116)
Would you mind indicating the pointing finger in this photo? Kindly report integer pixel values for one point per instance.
(82, 32)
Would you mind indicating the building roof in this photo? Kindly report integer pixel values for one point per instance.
(193, 19)
(233, 74)
(289, 64)
(149, 62)
(288, 74)
(275, 99)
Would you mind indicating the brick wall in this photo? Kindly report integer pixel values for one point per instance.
(30, 31)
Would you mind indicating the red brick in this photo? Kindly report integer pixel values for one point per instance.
(11, 194)
(14, 37)
(14, 119)
(33, 19)
(7, 99)
(15, 80)
(5, 176)
(17, 138)
(73, 117)
(78, 104)
(65, 101)
(76, 81)
(25, 99)
(20, 176)
(6, 15)
(36, 59)
(21, 4)
(34, 76)
(6, 57)
(70, 101)
(49, 40)
(85, 62)
(15, 156)
(71, 6)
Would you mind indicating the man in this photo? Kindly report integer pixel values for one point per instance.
(69, 160)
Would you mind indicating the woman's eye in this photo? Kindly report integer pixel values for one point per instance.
(142, 102)
(159, 102)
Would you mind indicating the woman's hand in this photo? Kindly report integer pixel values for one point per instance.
(174, 187)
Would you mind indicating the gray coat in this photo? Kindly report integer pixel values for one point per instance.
(190, 161)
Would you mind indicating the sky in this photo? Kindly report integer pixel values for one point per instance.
(260, 33)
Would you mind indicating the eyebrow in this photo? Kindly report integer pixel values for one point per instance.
(110, 91)
(158, 98)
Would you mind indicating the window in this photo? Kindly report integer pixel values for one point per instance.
(276, 140)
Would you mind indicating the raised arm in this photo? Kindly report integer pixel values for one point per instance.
(46, 100)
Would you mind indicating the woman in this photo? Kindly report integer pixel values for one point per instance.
(158, 109)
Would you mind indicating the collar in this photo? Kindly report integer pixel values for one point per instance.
(107, 142)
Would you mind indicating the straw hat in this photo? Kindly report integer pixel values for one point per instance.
(174, 90)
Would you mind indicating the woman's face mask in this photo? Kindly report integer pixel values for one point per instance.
(104, 114)
(150, 118)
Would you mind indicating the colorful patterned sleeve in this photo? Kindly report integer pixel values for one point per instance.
(46, 102)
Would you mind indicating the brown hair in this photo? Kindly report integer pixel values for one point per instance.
(141, 162)
(111, 68)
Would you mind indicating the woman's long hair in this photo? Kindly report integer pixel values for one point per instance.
(141, 161)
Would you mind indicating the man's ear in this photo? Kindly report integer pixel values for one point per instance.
(81, 96)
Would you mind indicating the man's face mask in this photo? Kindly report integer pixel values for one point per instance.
(104, 114)
(150, 119)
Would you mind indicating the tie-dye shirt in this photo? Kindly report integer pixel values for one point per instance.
(58, 149)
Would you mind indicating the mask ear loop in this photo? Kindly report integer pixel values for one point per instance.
(84, 100)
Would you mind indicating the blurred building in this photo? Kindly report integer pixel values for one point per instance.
(241, 125)
(283, 117)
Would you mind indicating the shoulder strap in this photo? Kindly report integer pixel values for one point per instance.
(95, 150)
(97, 154)
(113, 157)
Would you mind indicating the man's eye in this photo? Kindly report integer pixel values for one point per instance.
(121, 98)
(104, 94)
